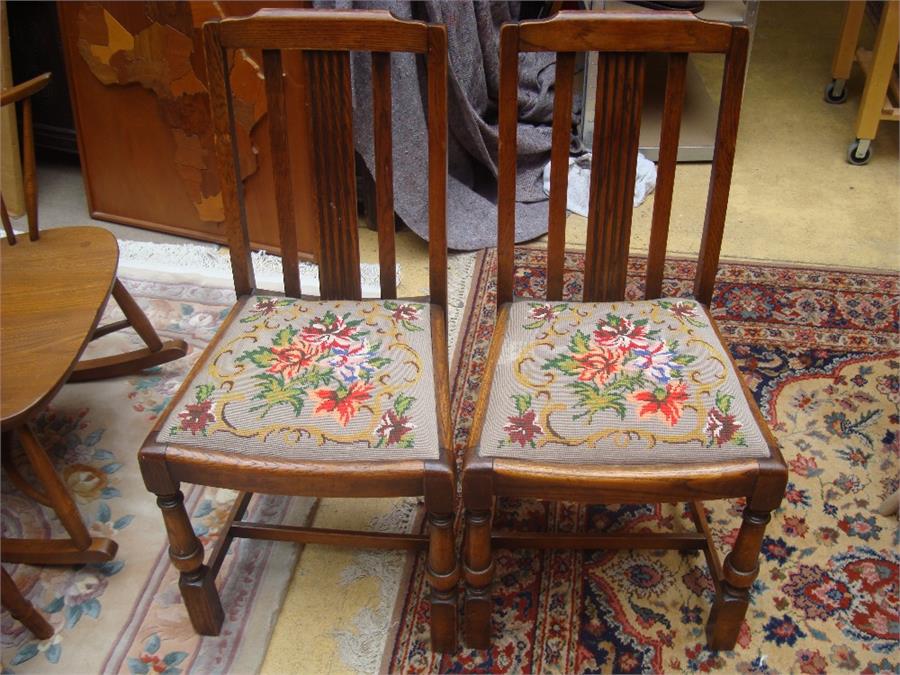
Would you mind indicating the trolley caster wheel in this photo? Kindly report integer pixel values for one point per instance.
(836, 92)
(853, 152)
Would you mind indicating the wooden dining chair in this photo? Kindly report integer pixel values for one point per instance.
(608, 400)
(332, 396)
(156, 351)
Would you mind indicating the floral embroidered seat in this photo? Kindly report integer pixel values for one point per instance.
(297, 379)
(617, 383)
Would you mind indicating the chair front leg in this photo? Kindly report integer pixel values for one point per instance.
(443, 577)
(739, 571)
(479, 572)
(197, 585)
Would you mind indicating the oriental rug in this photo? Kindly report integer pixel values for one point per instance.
(819, 350)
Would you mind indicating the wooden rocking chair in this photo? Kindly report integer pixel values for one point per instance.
(55, 287)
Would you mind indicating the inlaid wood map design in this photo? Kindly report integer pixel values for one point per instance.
(165, 57)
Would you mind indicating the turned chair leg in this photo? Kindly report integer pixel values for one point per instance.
(22, 610)
(479, 572)
(443, 577)
(197, 584)
(739, 571)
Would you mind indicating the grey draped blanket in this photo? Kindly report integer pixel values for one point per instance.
(473, 30)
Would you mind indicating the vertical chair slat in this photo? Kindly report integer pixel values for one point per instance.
(665, 173)
(228, 162)
(281, 171)
(29, 170)
(506, 160)
(559, 172)
(723, 163)
(384, 173)
(333, 173)
(437, 165)
(617, 125)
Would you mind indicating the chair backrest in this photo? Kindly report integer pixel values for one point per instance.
(23, 92)
(324, 39)
(622, 41)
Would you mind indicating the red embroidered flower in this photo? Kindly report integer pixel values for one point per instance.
(721, 426)
(265, 305)
(393, 427)
(542, 312)
(291, 359)
(327, 332)
(668, 401)
(522, 428)
(343, 402)
(684, 310)
(196, 416)
(598, 364)
(405, 313)
(621, 334)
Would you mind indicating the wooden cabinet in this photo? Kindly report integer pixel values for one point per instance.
(137, 79)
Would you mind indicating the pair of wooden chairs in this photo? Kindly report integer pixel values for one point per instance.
(600, 401)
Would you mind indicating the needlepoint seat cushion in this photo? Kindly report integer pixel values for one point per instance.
(617, 383)
(298, 379)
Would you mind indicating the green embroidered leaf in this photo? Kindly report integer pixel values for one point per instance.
(274, 391)
(534, 324)
(411, 326)
(562, 362)
(284, 336)
(204, 391)
(627, 382)
(523, 402)
(723, 401)
(403, 403)
(594, 400)
(740, 440)
(379, 362)
(580, 343)
(330, 317)
(261, 357)
(684, 359)
(315, 376)
(391, 305)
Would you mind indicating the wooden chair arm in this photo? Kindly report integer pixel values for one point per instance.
(24, 90)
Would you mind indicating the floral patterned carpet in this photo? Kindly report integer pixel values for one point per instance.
(126, 615)
(819, 349)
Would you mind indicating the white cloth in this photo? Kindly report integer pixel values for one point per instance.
(579, 188)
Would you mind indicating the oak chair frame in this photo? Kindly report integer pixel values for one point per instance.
(622, 40)
(323, 39)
